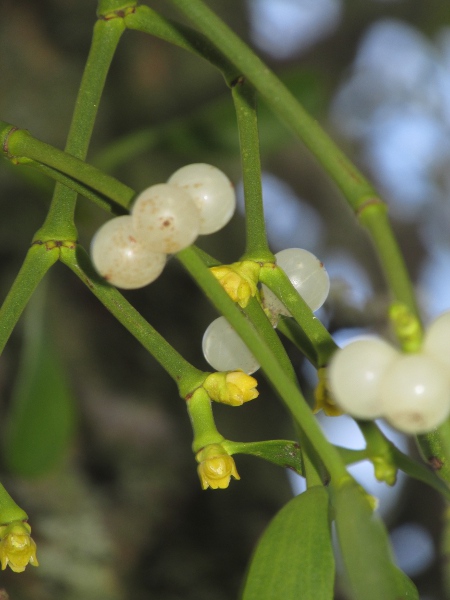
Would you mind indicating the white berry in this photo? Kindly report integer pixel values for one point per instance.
(225, 351)
(355, 374)
(165, 218)
(436, 342)
(212, 192)
(308, 276)
(415, 394)
(121, 259)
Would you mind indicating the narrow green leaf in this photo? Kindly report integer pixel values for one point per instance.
(365, 549)
(42, 415)
(294, 558)
(406, 590)
(283, 453)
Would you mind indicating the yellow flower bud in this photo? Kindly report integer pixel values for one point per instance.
(17, 548)
(239, 280)
(232, 387)
(407, 327)
(323, 400)
(215, 467)
(385, 469)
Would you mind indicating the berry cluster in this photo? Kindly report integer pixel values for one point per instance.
(131, 251)
(370, 379)
(222, 347)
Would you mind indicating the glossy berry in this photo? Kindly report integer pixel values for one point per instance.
(436, 342)
(355, 374)
(225, 351)
(306, 273)
(121, 259)
(212, 192)
(165, 218)
(415, 394)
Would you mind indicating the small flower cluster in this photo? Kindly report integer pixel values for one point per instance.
(222, 347)
(131, 251)
(17, 548)
(370, 379)
(239, 280)
(232, 387)
(216, 467)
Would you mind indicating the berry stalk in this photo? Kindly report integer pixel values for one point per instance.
(37, 262)
(185, 375)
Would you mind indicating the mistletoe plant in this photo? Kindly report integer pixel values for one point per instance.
(295, 557)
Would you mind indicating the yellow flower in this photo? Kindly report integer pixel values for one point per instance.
(232, 387)
(17, 548)
(323, 400)
(239, 280)
(215, 467)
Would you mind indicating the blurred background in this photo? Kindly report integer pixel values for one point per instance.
(118, 512)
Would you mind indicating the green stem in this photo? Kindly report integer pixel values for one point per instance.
(350, 456)
(383, 453)
(278, 282)
(257, 248)
(420, 472)
(262, 324)
(18, 144)
(185, 375)
(373, 215)
(376, 442)
(9, 510)
(435, 449)
(274, 372)
(148, 21)
(279, 98)
(106, 36)
(356, 189)
(295, 334)
(202, 420)
(110, 9)
(313, 468)
(97, 198)
(37, 262)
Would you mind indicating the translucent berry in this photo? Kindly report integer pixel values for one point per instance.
(121, 259)
(306, 273)
(212, 192)
(355, 374)
(225, 351)
(165, 218)
(436, 342)
(415, 394)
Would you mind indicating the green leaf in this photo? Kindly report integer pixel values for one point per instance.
(365, 549)
(406, 590)
(283, 453)
(294, 558)
(42, 415)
